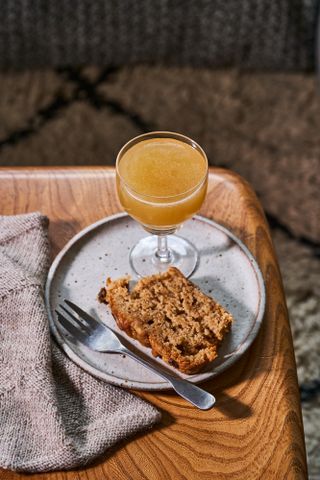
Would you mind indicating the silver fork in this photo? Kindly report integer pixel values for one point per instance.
(87, 330)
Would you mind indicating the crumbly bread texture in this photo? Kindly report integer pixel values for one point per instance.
(171, 315)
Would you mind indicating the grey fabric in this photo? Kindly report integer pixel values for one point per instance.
(53, 415)
(271, 34)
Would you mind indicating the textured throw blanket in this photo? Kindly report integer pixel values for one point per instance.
(53, 415)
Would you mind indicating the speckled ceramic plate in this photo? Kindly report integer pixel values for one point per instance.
(227, 271)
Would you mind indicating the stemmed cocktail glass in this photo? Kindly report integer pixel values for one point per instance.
(162, 182)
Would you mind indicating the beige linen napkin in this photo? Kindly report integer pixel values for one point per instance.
(53, 415)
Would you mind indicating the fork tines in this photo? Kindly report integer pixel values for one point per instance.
(74, 320)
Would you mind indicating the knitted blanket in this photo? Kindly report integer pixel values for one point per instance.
(53, 415)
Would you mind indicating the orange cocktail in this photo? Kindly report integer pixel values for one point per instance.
(162, 182)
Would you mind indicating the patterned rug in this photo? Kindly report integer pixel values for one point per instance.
(266, 127)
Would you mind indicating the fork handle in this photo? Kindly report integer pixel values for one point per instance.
(190, 392)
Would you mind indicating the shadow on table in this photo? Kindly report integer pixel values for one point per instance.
(232, 407)
(63, 232)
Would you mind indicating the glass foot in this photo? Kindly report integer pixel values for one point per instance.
(145, 261)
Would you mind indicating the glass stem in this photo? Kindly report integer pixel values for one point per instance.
(163, 253)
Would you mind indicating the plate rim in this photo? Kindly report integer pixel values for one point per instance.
(161, 385)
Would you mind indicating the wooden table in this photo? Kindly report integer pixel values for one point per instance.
(255, 431)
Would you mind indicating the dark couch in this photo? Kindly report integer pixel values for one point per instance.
(268, 34)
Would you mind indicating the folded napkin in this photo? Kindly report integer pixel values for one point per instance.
(53, 415)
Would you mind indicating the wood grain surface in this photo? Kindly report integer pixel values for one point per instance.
(255, 430)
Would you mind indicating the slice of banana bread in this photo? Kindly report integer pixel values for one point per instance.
(171, 315)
